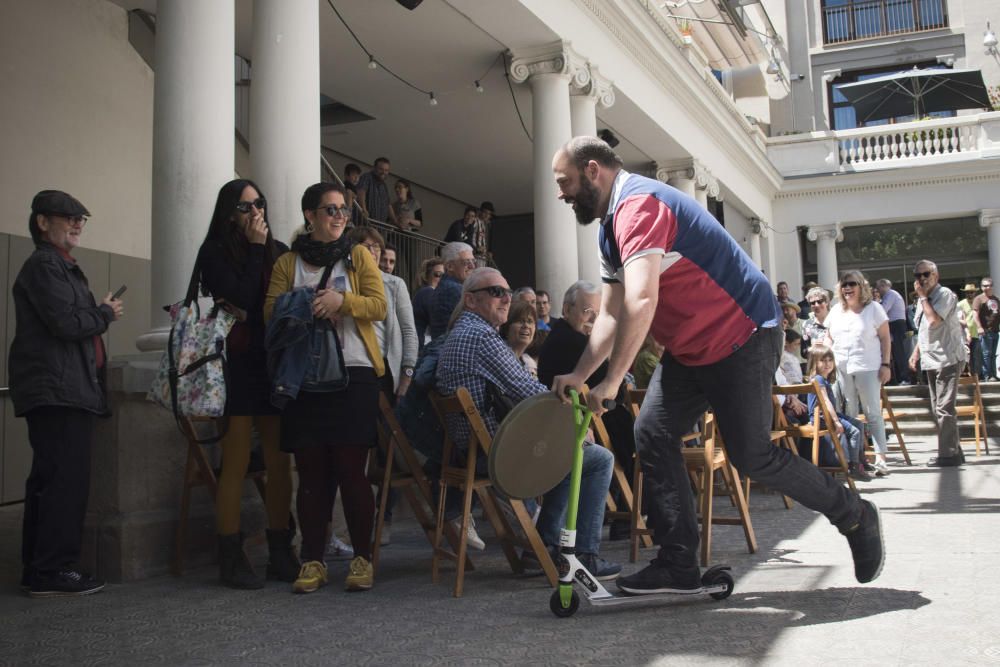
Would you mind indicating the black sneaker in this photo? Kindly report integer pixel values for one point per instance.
(945, 461)
(619, 530)
(532, 565)
(658, 577)
(867, 547)
(68, 583)
(601, 569)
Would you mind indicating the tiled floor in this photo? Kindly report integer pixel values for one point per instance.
(796, 601)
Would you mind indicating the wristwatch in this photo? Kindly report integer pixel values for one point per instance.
(408, 372)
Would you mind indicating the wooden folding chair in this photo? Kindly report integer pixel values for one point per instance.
(889, 415)
(406, 475)
(973, 409)
(631, 512)
(815, 429)
(702, 462)
(462, 476)
(198, 471)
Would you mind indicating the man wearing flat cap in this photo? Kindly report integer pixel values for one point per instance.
(57, 371)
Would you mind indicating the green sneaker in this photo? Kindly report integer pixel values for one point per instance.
(361, 575)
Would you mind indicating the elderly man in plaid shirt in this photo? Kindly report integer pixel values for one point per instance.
(473, 355)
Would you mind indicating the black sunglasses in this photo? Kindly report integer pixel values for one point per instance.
(335, 211)
(244, 206)
(818, 301)
(922, 274)
(849, 283)
(437, 274)
(494, 291)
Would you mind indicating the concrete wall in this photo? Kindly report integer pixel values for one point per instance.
(77, 116)
(105, 272)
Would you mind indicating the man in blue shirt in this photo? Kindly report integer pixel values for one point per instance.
(458, 263)
(473, 356)
(892, 303)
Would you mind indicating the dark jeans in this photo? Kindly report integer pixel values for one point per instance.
(988, 346)
(900, 361)
(321, 471)
(56, 492)
(738, 389)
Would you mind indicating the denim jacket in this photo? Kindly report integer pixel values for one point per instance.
(293, 347)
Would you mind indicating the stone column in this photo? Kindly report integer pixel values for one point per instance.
(549, 70)
(193, 143)
(284, 107)
(690, 177)
(989, 219)
(826, 238)
(583, 111)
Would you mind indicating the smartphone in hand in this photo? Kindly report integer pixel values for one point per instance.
(117, 295)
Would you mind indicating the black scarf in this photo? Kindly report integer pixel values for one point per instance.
(319, 253)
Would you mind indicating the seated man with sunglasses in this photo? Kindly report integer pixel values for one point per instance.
(474, 356)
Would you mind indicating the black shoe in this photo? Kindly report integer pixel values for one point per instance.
(619, 530)
(235, 569)
(282, 562)
(66, 583)
(601, 569)
(945, 461)
(533, 566)
(658, 577)
(25, 584)
(868, 467)
(867, 547)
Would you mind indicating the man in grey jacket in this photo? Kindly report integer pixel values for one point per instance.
(940, 350)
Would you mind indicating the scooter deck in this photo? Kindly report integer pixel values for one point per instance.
(626, 598)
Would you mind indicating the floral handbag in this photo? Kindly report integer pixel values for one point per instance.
(191, 380)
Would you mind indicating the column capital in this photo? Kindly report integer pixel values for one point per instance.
(817, 232)
(554, 58)
(692, 170)
(599, 88)
(757, 226)
(989, 216)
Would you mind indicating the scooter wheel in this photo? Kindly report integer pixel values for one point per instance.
(722, 577)
(555, 604)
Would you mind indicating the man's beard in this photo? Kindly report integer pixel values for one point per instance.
(585, 202)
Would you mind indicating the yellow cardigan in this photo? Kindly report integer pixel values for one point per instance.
(365, 302)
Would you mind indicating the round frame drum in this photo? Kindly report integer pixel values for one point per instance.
(532, 450)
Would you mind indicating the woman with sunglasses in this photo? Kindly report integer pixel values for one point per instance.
(813, 328)
(519, 333)
(430, 275)
(858, 332)
(330, 433)
(235, 263)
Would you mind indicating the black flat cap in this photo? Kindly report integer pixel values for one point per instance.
(57, 202)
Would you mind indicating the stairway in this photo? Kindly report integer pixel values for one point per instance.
(912, 406)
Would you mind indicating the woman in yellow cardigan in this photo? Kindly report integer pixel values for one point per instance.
(330, 433)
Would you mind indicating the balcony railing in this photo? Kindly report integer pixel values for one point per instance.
(852, 20)
(913, 144)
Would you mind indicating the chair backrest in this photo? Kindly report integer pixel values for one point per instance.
(814, 387)
(461, 404)
(635, 397)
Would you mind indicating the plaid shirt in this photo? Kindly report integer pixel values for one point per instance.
(474, 354)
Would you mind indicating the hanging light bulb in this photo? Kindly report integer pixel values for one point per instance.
(433, 101)
(990, 41)
(371, 63)
(479, 87)
(773, 67)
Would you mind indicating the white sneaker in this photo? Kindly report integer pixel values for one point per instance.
(386, 534)
(471, 536)
(881, 469)
(339, 550)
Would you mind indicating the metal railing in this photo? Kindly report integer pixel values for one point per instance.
(411, 248)
(866, 19)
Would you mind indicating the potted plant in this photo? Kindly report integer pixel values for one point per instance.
(685, 27)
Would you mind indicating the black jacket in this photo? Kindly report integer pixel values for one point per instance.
(561, 350)
(53, 359)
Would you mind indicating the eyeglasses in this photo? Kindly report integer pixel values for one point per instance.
(495, 291)
(817, 302)
(437, 274)
(73, 220)
(849, 283)
(372, 246)
(334, 211)
(922, 274)
(244, 206)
